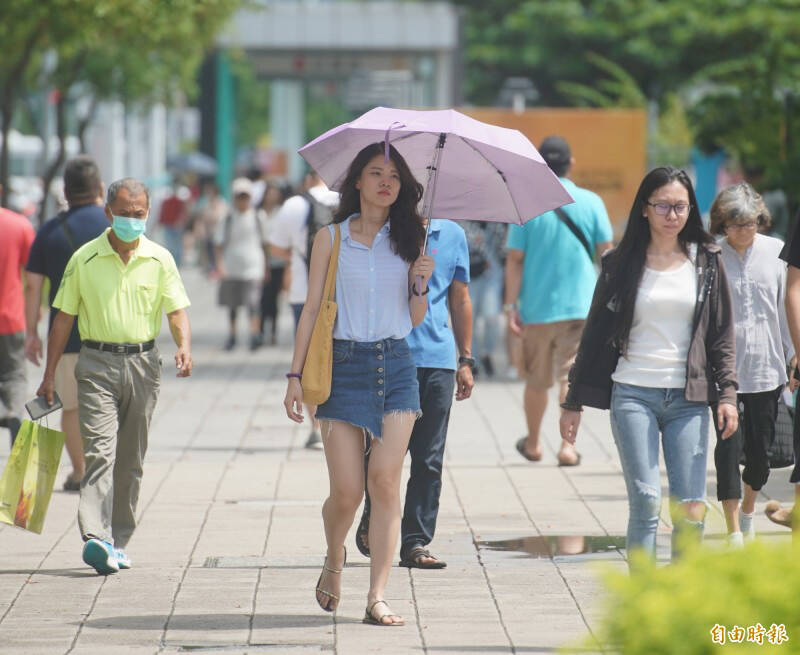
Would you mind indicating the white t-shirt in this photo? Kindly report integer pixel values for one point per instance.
(661, 333)
(242, 250)
(289, 231)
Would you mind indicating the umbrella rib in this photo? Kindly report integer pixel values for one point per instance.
(500, 173)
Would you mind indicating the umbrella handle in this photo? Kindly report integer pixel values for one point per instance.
(418, 281)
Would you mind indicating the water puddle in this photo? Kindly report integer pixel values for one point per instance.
(555, 546)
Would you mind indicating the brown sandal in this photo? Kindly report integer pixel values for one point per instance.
(325, 567)
(369, 617)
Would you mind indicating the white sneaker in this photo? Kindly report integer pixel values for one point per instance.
(747, 526)
(735, 540)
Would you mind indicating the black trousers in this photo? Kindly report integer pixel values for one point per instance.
(757, 415)
(426, 446)
(269, 297)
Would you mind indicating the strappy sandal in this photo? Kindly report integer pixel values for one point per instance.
(413, 559)
(328, 594)
(369, 617)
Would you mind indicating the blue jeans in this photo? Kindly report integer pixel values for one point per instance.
(426, 447)
(486, 293)
(639, 415)
(173, 241)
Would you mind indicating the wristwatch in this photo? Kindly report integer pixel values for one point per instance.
(509, 306)
(469, 361)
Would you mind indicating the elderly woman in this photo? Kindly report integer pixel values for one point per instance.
(757, 280)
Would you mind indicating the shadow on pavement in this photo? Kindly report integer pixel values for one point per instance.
(212, 621)
(59, 573)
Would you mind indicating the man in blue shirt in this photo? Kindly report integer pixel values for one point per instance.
(550, 279)
(440, 372)
(55, 242)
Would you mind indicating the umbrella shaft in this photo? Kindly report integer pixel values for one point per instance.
(430, 187)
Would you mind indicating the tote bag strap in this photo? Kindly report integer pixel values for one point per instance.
(330, 281)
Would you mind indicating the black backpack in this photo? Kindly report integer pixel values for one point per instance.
(319, 215)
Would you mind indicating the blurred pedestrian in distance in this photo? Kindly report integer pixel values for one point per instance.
(294, 229)
(444, 361)
(658, 348)
(550, 276)
(275, 194)
(240, 242)
(211, 209)
(256, 176)
(55, 243)
(381, 293)
(16, 237)
(757, 280)
(487, 255)
(172, 218)
(117, 285)
(774, 199)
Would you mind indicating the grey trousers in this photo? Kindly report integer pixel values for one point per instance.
(116, 398)
(12, 380)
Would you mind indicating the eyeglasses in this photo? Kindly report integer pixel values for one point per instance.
(750, 225)
(663, 208)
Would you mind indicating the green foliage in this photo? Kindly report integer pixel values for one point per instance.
(619, 89)
(736, 63)
(252, 102)
(672, 141)
(671, 610)
(324, 110)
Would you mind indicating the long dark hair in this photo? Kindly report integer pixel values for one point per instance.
(626, 263)
(406, 231)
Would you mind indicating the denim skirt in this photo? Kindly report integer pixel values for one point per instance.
(370, 380)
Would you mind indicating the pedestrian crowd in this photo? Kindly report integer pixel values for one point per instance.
(673, 320)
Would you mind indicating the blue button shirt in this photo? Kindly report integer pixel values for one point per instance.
(558, 277)
(371, 289)
(432, 342)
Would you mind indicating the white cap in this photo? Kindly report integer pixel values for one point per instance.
(242, 185)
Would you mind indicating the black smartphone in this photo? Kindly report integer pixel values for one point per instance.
(38, 407)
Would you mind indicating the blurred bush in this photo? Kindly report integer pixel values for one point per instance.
(673, 609)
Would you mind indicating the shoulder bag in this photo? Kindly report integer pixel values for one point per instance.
(318, 367)
(566, 220)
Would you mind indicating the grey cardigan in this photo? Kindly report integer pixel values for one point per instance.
(710, 364)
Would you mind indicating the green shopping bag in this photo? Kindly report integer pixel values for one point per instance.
(27, 481)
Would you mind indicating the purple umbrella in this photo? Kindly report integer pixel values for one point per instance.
(471, 170)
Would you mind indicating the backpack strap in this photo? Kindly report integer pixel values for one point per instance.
(227, 228)
(566, 220)
(62, 218)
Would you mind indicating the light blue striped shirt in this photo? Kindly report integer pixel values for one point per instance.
(371, 289)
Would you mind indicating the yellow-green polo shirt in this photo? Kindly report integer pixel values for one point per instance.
(116, 303)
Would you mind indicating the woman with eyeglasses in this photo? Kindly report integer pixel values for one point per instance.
(657, 350)
(757, 280)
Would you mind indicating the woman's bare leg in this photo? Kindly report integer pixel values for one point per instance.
(344, 454)
(383, 481)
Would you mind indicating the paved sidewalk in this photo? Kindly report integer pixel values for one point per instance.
(230, 541)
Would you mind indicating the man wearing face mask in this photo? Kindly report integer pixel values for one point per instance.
(117, 285)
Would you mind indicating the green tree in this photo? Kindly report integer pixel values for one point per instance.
(732, 63)
(131, 51)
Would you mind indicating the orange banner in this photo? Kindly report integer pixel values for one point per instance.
(609, 147)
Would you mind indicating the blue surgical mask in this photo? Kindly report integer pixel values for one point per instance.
(128, 229)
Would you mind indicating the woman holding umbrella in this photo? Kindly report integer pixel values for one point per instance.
(381, 294)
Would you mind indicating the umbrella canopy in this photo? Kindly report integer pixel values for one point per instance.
(471, 170)
(193, 162)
